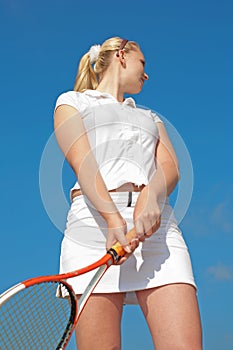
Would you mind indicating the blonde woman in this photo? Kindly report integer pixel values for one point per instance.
(126, 169)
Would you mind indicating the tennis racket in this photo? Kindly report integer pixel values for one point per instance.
(34, 317)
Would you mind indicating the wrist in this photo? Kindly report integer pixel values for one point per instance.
(114, 219)
(158, 193)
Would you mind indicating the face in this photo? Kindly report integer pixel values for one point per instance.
(133, 74)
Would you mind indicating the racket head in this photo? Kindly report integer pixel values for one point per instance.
(42, 312)
(36, 316)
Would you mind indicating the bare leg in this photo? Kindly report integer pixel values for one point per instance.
(99, 326)
(172, 315)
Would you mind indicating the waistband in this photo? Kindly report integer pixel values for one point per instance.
(129, 188)
(121, 199)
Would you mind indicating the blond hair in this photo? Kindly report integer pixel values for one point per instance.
(88, 77)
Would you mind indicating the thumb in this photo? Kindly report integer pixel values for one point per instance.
(124, 243)
(119, 238)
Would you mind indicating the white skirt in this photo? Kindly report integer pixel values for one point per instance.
(162, 259)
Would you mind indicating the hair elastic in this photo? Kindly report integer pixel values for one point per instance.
(94, 53)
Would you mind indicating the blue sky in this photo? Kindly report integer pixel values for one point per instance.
(189, 54)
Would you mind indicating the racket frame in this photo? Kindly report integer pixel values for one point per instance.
(112, 257)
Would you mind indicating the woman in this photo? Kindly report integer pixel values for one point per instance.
(126, 168)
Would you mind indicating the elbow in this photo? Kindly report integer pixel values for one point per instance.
(172, 175)
(178, 176)
(175, 178)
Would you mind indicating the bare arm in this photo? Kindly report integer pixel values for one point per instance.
(167, 175)
(147, 212)
(73, 141)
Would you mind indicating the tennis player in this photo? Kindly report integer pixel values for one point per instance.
(126, 168)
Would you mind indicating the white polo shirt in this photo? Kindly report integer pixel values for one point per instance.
(123, 136)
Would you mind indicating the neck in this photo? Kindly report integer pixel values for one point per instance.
(112, 90)
(110, 84)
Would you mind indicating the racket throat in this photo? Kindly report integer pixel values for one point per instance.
(91, 286)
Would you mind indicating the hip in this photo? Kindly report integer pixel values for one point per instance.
(86, 226)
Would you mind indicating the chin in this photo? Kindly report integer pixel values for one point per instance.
(134, 90)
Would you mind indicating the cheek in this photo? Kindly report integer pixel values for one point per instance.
(135, 72)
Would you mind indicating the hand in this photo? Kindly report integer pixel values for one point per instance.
(117, 230)
(147, 214)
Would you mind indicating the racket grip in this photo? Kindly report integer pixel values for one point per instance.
(117, 251)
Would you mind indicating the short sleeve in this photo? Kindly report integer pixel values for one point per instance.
(71, 98)
(155, 117)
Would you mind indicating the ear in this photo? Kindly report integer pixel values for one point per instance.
(121, 55)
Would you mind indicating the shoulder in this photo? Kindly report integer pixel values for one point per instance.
(72, 98)
(150, 114)
(155, 117)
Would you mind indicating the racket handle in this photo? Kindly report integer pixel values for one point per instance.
(117, 251)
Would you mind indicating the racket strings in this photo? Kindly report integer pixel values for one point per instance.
(35, 318)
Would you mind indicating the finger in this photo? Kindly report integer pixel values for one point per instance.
(146, 235)
(142, 239)
(153, 227)
(126, 247)
(156, 225)
(121, 238)
(139, 228)
(125, 243)
(133, 245)
(149, 232)
(123, 259)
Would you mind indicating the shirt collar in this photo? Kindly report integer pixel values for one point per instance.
(129, 101)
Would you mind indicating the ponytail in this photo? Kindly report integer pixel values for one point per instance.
(86, 77)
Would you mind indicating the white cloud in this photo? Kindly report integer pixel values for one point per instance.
(206, 219)
(221, 272)
(221, 216)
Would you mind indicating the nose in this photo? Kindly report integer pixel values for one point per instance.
(146, 77)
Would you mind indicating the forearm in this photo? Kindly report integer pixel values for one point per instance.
(93, 186)
(165, 179)
(167, 174)
(151, 201)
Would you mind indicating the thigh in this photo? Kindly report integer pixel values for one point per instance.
(172, 315)
(99, 326)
